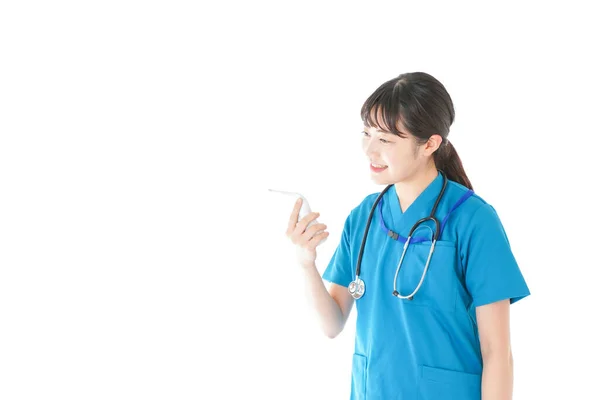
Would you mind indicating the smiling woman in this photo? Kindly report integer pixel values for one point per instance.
(433, 277)
(414, 106)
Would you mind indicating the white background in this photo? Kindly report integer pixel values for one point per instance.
(141, 256)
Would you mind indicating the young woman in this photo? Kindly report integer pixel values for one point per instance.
(426, 261)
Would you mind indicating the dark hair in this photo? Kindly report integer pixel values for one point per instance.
(425, 108)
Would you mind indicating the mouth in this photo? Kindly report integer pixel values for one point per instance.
(377, 167)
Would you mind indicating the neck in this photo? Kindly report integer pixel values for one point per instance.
(409, 189)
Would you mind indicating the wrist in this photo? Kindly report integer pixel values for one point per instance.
(307, 265)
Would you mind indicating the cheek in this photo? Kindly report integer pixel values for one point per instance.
(365, 144)
(392, 158)
(398, 159)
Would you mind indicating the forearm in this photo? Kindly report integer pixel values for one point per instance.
(497, 378)
(327, 311)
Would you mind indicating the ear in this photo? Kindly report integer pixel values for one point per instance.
(433, 143)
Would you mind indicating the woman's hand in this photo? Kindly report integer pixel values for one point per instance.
(306, 235)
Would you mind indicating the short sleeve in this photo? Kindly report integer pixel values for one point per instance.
(491, 270)
(339, 269)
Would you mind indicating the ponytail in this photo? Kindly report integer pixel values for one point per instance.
(418, 104)
(446, 159)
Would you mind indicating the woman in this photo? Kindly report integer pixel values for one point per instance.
(432, 317)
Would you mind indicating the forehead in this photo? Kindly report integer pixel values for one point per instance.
(380, 124)
(375, 129)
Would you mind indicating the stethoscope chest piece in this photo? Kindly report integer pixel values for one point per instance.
(357, 288)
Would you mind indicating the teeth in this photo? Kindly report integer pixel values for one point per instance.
(377, 165)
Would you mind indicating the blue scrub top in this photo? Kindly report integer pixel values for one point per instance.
(427, 348)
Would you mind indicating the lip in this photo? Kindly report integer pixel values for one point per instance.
(377, 170)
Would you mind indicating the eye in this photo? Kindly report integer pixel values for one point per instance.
(366, 134)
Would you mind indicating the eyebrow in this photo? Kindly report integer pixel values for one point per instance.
(380, 131)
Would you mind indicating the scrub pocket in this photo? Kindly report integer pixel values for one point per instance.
(444, 384)
(440, 285)
(359, 377)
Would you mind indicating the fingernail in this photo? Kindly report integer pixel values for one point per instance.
(298, 201)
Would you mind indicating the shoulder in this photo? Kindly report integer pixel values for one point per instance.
(365, 205)
(474, 211)
(359, 213)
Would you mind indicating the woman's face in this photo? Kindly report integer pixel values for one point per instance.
(392, 158)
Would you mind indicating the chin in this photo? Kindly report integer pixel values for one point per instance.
(381, 180)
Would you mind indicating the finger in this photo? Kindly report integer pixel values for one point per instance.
(316, 240)
(294, 217)
(299, 235)
(315, 229)
(304, 238)
(303, 223)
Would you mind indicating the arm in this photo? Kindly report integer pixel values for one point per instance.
(332, 307)
(494, 332)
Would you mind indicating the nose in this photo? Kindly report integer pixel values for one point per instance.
(370, 146)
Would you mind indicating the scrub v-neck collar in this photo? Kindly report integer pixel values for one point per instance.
(421, 207)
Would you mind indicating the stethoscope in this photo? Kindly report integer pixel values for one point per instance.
(357, 286)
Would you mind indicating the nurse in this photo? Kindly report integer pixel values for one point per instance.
(450, 339)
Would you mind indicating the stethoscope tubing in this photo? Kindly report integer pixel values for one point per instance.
(357, 286)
